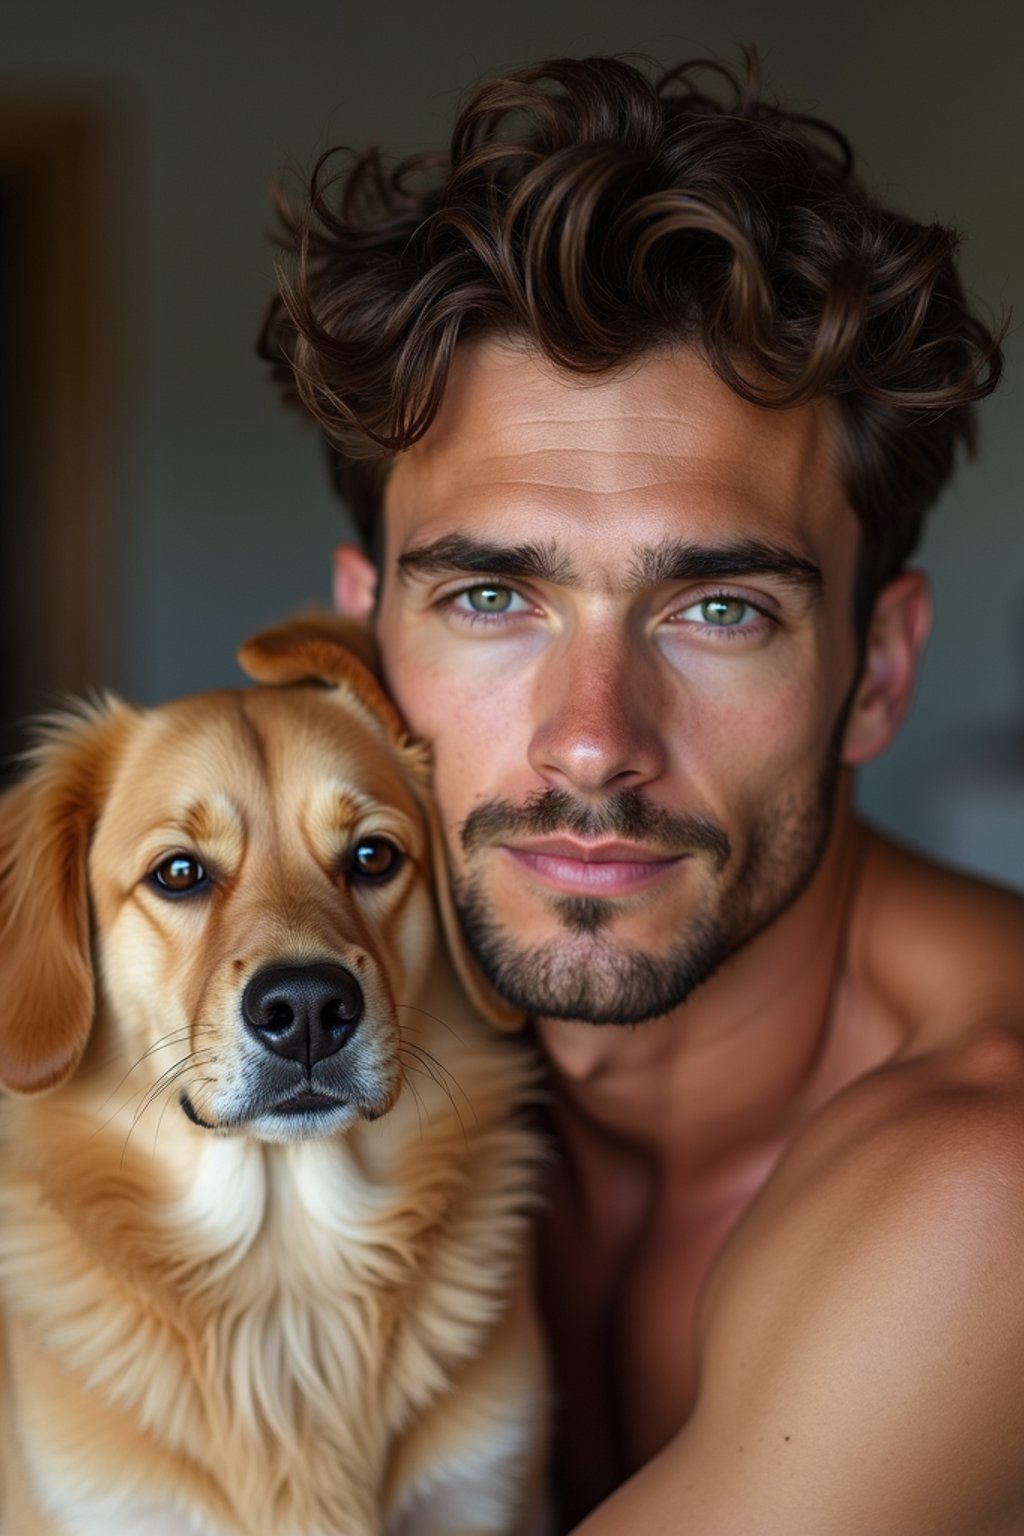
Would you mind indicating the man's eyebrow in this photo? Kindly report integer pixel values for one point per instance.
(680, 560)
(461, 552)
(650, 564)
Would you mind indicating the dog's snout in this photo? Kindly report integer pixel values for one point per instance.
(303, 1012)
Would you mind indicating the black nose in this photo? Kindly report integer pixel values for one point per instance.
(303, 1012)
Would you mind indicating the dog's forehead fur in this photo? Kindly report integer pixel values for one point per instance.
(221, 764)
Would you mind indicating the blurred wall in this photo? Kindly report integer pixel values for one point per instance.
(221, 517)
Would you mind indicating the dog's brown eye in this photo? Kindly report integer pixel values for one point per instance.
(179, 875)
(374, 858)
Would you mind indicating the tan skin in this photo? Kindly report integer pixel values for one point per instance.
(781, 1264)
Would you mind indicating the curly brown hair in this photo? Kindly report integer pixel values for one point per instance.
(602, 214)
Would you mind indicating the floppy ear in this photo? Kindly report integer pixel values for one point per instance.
(323, 648)
(341, 653)
(46, 978)
(485, 1000)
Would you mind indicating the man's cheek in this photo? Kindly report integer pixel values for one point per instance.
(425, 696)
(463, 717)
(741, 757)
(472, 765)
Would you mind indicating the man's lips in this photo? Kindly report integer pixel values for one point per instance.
(593, 869)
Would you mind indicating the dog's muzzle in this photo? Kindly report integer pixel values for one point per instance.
(304, 1013)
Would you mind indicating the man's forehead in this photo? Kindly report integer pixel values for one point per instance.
(516, 438)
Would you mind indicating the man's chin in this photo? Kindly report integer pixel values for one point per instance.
(625, 925)
(584, 974)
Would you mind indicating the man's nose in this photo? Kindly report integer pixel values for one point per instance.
(599, 716)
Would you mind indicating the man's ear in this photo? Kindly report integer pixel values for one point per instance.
(355, 582)
(897, 631)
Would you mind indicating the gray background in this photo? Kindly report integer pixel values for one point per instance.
(222, 518)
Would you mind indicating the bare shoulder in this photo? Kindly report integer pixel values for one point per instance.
(869, 1310)
(923, 1156)
(862, 1331)
(925, 1150)
(943, 1114)
(862, 1337)
(943, 950)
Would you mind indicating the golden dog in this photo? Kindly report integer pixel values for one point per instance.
(233, 1298)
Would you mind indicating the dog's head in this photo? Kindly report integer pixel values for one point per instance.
(234, 887)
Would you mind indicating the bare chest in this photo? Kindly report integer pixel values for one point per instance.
(621, 1297)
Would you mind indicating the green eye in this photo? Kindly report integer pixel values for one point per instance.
(374, 858)
(489, 599)
(180, 875)
(723, 611)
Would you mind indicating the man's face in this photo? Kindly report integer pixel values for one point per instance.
(621, 611)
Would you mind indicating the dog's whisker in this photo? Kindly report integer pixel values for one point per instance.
(414, 1008)
(164, 1082)
(168, 1078)
(445, 1079)
(167, 1100)
(175, 1037)
(153, 1089)
(159, 1123)
(430, 1065)
(119, 1108)
(99, 1064)
(412, 1045)
(424, 1068)
(417, 1101)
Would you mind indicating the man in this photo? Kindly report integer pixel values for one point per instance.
(640, 401)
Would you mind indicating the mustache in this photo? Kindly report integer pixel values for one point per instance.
(625, 814)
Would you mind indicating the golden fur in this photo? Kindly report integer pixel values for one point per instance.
(230, 1325)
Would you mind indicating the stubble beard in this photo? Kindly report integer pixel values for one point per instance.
(583, 973)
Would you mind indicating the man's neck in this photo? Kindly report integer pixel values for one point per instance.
(741, 1063)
